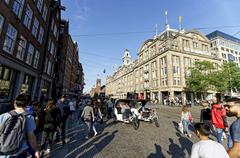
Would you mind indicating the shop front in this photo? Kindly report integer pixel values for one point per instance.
(7, 78)
(27, 85)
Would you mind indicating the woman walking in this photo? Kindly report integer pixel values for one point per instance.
(186, 119)
(50, 123)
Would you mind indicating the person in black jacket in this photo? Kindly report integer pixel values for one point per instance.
(206, 116)
(205, 113)
(50, 123)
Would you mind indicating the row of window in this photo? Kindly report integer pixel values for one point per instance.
(229, 50)
(37, 29)
(9, 45)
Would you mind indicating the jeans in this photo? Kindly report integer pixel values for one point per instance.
(186, 124)
(47, 135)
(89, 126)
(219, 137)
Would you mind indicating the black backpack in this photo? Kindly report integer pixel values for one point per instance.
(12, 133)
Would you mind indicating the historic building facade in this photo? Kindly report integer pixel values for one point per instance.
(160, 70)
(28, 42)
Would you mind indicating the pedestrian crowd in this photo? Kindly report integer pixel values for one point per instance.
(213, 123)
(31, 128)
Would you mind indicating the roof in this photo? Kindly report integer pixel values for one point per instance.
(223, 35)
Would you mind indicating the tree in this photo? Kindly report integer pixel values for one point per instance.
(201, 77)
(228, 77)
(205, 76)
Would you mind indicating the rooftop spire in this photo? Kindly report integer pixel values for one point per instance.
(167, 24)
(180, 23)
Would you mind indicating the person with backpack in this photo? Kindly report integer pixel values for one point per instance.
(17, 130)
(219, 121)
(50, 122)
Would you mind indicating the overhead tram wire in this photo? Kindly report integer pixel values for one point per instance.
(94, 62)
(217, 27)
(143, 32)
(113, 33)
(94, 54)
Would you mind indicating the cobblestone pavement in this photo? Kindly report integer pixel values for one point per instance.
(119, 140)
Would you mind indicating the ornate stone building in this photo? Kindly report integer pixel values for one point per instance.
(162, 65)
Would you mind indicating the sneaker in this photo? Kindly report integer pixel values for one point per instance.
(47, 151)
(95, 134)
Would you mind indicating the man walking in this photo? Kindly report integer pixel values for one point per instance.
(219, 120)
(205, 147)
(109, 108)
(233, 109)
(89, 118)
(18, 128)
(63, 108)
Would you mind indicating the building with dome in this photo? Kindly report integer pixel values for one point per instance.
(162, 65)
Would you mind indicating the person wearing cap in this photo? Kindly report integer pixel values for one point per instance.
(233, 110)
(206, 148)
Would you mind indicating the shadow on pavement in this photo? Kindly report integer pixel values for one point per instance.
(176, 125)
(174, 150)
(77, 150)
(99, 146)
(185, 143)
(158, 153)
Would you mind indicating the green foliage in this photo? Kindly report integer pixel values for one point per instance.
(205, 76)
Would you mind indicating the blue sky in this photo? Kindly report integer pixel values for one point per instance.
(91, 17)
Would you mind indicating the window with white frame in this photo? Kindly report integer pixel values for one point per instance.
(39, 5)
(195, 44)
(176, 60)
(176, 70)
(17, 7)
(45, 11)
(21, 48)
(36, 59)
(28, 17)
(1, 22)
(10, 39)
(35, 27)
(40, 35)
(176, 81)
(30, 54)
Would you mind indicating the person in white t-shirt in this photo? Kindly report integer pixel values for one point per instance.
(206, 148)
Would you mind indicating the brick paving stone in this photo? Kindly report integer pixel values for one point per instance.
(119, 140)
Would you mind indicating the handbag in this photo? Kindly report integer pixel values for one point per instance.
(180, 127)
(190, 118)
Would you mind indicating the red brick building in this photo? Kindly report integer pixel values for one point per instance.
(29, 32)
(70, 70)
